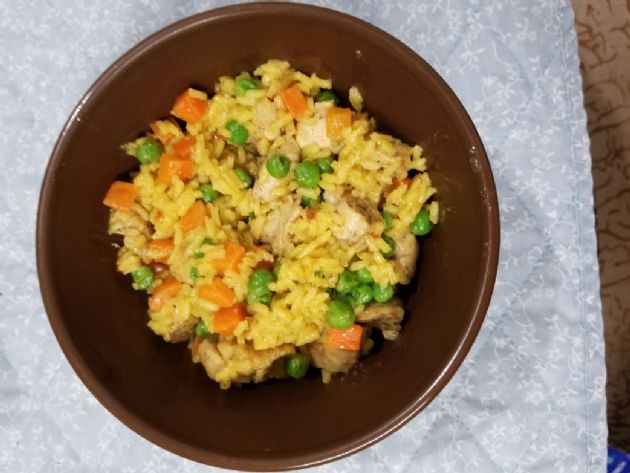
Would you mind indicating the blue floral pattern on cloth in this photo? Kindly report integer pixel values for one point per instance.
(530, 396)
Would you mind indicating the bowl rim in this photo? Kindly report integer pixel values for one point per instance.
(487, 274)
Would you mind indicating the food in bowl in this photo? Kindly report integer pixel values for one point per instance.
(270, 225)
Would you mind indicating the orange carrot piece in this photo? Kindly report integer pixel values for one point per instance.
(171, 165)
(345, 339)
(121, 195)
(293, 100)
(233, 256)
(193, 217)
(336, 120)
(189, 108)
(227, 318)
(163, 247)
(217, 293)
(182, 147)
(168, 289)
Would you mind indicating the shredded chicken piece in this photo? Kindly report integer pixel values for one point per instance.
(406, 256)
(264, 114)
(210, 358)
(229, 362)
(360, 216)
(275, 232)
(315, 132)
(180, 330)
(385, 317)
(333, 360)
(128, 223)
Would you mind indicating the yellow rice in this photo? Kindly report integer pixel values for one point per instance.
(368, 163)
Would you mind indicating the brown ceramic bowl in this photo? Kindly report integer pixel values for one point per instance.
(152, 386)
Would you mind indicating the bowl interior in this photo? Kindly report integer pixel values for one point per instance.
(152, 386)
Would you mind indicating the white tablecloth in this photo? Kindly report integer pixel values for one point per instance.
(530, 396)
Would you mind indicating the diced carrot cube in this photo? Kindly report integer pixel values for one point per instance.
(171, 165)
(121, 195)
(162, 249)
(294, 100)
(167, 290)
(182, 147)
(193, 217)
(227, 318)
(345, 339)
(189, 106)
(217, 293)
(234, 254)
(336, 120)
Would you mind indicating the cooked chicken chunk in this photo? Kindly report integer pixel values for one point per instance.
(180, 330)
(275, 231)
(210, 358)
(336, 360)
(315, 131)
(228, 362)
(264, 114)
(128, 223)
(406, 256)
(359, 216)
(333, 360)
(385, 317)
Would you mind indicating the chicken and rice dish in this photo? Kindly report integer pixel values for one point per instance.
(270, 225)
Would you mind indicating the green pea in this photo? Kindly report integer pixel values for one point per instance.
(392, 245)
(325, 165)
(362, 294)
(198, 254)
(307, 174)
(278, 166)
(340, 314)
(382, 293)
(297, 365)
(259, 281)
(245, 84)
(244, 176)
(208, 193)
(421, 224)
(201, 330)
(239, 133)
(194, 273)
(207, 241)
(326, 95)
(142, 278)
(347, 282)
(262, 298)
(149, 151)
(389, 220)
(276, 270)
(364, 276)
(308, 202)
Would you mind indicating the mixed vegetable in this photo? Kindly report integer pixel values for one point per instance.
(167, 149)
